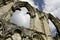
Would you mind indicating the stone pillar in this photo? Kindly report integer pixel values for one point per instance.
(40, 24)
(47, 29)
(35, 24)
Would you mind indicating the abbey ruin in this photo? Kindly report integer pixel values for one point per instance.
(39, 28)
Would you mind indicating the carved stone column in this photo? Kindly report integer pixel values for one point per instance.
(40, 23)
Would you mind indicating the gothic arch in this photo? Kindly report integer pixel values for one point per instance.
(24, 4)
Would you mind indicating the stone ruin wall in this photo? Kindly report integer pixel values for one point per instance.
(39, 28)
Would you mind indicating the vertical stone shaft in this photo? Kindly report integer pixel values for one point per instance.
(40, 23)
(47, 29)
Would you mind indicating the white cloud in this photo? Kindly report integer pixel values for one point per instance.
(52, 28)
(21, 18)
(52, 6)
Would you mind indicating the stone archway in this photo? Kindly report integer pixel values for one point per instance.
(27, 5)
(38, 21)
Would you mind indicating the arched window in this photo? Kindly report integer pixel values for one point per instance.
(52, 28)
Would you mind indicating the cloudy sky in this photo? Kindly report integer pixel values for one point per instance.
(48, 6)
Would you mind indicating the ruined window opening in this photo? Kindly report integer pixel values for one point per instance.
(21, 17)
(52, 28)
